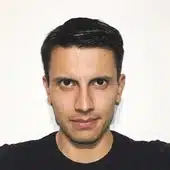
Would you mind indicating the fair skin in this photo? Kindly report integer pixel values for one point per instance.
(84, 101)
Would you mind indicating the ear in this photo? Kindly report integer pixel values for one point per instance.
(121, 84)
(46, 86)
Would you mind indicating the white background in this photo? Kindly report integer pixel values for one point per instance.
(144, 113)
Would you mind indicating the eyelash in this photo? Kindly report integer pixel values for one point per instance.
(60, 81)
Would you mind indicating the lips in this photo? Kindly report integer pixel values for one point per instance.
(84, 124)
(83, 120)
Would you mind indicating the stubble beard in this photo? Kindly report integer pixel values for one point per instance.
(85, 143)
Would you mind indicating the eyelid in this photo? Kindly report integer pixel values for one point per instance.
(104, 83)
(100, 79)
(63, 79)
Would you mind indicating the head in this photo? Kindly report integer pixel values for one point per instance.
(82, 62)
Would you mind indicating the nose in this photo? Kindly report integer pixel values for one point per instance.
(84, 103)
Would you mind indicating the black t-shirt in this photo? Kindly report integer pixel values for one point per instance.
(126, 154)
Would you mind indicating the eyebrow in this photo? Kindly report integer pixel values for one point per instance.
(59, 78)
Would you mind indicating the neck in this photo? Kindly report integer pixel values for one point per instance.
(84, 154)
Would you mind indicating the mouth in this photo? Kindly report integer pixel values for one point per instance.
(84, 124)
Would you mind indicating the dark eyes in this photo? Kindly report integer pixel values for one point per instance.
(66, 82)
(69, 83)
(100, 82)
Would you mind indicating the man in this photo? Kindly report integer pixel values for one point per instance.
(82, 62)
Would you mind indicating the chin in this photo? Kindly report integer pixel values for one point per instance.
(85, 137)
(84, 141)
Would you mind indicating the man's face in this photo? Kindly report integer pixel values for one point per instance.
(83, 89)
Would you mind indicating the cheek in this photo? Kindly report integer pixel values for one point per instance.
(62, 103)
(105, 102)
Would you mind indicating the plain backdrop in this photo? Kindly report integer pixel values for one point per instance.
(144, 113)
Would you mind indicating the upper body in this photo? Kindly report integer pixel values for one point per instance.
(82, 62)
(124, 154)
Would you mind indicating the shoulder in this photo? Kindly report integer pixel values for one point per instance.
(155, 154)
(145, 153)
(146, 146)
(14, 154)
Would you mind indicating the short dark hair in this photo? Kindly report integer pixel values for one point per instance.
(82, 33)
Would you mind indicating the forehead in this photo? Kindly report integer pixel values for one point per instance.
(82, 62)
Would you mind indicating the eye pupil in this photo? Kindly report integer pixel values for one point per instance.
(66, 82)
(100, 82)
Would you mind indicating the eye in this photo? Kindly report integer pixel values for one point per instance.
(100, 82)
(66, 83)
